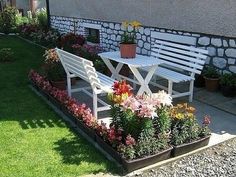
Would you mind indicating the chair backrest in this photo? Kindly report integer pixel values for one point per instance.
(178, 52)
(80, 67)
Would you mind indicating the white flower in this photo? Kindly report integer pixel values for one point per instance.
(163, 98)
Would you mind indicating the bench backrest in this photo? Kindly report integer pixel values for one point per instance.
(80, 67)
(179, 52)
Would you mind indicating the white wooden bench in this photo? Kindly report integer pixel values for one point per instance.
(182, 60)
(76, 66)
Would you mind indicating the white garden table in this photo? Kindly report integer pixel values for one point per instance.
(139, 62)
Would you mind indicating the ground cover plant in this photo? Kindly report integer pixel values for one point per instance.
(34, 141)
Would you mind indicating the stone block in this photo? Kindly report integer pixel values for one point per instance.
(140, 43)
(212, 51)
(113, 37)
(105, 25)
(232, 69)
(232, 43)
(141, 30)
(117, 26)
(144, 38)
(144, 52)
(220, 52)
(219, 62)
(111, 25)
(231, 61)
(216, 42)
(147, 31)
(147, 46)
(204, 41)
(230, 52)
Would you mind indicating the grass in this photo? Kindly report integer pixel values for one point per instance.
(34, 141)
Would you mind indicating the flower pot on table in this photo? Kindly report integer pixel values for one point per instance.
(128, 50)
(188, 147)
(212, 84)
(131, 165)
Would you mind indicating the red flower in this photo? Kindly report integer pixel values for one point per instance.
(121, 87)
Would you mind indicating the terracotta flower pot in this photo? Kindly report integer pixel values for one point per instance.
(128, 50)
(59, 84)
(212, 84)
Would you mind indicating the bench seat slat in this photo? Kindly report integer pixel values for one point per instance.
(190, 48)
(192, 55)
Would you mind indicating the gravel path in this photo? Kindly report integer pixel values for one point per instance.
(219, 161)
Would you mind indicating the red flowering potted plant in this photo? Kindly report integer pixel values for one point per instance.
(187, 134)
(128, 44)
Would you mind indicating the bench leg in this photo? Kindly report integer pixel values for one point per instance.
(95, 105)
(170, 87)
(69, 86)
(191, 91)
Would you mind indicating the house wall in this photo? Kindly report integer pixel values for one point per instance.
(202, 16)
(217, 34)
(23, 4)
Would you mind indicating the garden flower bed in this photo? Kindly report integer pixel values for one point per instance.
(144, 130)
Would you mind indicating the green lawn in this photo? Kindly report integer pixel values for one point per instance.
(34, 141)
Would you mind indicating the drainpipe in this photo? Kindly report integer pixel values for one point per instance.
(48, 13)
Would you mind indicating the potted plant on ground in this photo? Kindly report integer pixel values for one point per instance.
(186, 134)
(54, 70)
(128, 43)
(228, 84)
(212, 78)
(144, 124)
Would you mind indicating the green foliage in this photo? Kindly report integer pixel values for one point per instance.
(162, 123)
(92, 38)
(6, 54)
(20, 20)
(228, 79)
(55, 72)
(184, 131)
(211, 72)
(149, 144)
(41, 18)
(8, 19)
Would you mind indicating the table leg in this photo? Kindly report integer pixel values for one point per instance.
(114, 71)
(143, 81)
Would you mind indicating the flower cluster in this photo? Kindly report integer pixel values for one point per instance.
(80, 111)
(121, 91)
(182, 111)
(51, 56)
(130, 32)
(146, 106)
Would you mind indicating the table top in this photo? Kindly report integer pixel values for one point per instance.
(138, 61)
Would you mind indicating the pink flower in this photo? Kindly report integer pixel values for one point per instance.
(206, 120)
(130, 141)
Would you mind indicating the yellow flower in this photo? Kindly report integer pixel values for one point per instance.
(125, 24)
(135, 24)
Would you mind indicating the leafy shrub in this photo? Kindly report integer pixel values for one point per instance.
(90, 52)
(6, 54)
(211, 72)
(70, 39)
(21, 20)
(41, 18)
(228, 79)
(53, 68)
(8, 19)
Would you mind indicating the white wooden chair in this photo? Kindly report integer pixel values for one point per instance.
(182, 60)
(76, 66)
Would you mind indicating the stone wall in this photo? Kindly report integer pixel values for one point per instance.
(222, 50)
